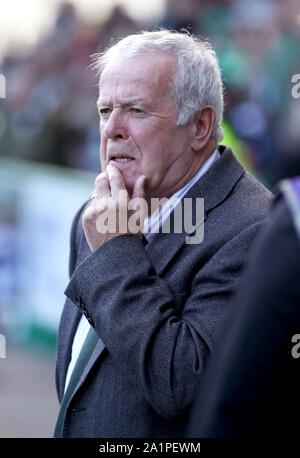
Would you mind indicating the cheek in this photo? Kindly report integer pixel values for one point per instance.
(154, 166)
(156, 153)
(103, 144)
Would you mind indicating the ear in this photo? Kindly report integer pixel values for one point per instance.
(203, 123)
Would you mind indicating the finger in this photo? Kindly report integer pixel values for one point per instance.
(101, 204)
(89, 212)
(139, 187)
(116, 181)
(102, 185)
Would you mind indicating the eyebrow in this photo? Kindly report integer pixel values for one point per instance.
(123, 103)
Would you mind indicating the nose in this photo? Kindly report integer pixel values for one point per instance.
(115, 126)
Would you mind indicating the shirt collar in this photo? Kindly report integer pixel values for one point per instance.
(157, 218)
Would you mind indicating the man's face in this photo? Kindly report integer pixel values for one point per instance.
(138, 125)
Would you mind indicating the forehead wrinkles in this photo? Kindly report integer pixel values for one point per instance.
(139, 76)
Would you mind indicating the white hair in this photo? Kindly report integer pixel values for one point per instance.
(197, 80)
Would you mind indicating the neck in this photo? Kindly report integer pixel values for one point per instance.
(200, 158)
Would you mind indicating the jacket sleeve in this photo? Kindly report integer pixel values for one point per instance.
(132, 309)
(74, 239)
(74, 242)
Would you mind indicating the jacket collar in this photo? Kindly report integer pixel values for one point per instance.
(214, 186)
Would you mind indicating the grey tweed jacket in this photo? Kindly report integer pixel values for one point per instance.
(157, 310)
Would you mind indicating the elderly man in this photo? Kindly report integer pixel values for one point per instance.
(142, 311)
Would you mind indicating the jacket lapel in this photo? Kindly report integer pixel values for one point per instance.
(68, 325)
(69, 322)
(220, 179)
(162, 247)
(214, 188)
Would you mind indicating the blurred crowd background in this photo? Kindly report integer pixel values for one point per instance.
(49, 139)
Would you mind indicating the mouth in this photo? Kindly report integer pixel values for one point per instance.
(119, 158)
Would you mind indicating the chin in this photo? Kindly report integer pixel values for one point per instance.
(129, 181)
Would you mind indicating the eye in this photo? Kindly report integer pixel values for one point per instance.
(104, 112)
(136, 110)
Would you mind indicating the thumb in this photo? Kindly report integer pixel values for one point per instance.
(139, 187)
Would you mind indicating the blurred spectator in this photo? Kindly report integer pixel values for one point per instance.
(258, 53)
(50, 113)
(182, 14)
